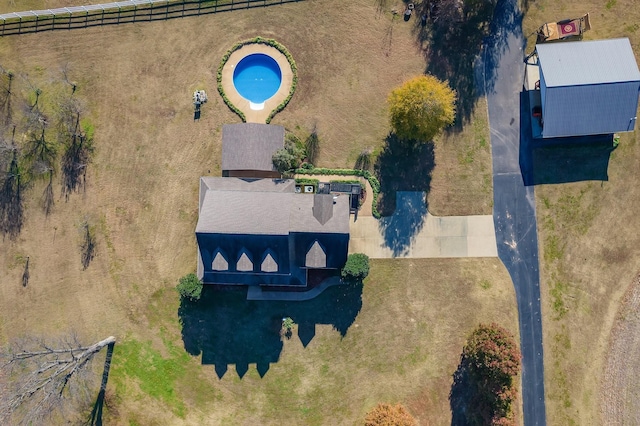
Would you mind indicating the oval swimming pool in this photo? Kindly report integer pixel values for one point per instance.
(257, 77)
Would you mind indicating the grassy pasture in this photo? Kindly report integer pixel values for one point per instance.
(588, 241)
(141, 197)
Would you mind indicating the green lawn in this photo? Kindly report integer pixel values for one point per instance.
(397, 338)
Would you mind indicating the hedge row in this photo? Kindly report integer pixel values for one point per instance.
(308, 181)
(373, 181)
(268, 42)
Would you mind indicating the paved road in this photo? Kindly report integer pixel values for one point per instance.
(514, 203)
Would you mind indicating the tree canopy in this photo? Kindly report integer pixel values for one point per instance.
(490, 361)
(289, 157)
(421, 108)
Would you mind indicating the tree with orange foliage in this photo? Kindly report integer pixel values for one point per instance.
(483, 389)
(389, 415)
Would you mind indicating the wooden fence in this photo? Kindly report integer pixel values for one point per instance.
(118, 13)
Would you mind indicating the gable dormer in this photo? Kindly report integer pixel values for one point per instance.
(220, 262)
(316, 256)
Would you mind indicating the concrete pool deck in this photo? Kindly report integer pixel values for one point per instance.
(256, 115)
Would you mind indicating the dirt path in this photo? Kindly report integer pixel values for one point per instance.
(620, 384)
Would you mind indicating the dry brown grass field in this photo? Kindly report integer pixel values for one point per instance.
(141, 196)
(589, 253)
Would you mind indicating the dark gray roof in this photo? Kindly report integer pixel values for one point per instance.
(266, 233)
(267, 208)
(245, 212)
(588, 62)
(244, 184)
(302, 219)
(250, 146)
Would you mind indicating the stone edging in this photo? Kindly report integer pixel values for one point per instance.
(269, 42)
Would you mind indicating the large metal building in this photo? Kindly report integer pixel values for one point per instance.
(588, 87)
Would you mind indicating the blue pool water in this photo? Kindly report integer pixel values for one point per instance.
(257, 77)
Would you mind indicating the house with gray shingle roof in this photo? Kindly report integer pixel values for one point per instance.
(247, 149)
(261, 232)
(587, 87)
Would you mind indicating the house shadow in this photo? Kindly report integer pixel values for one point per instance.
(403, 167)
(452, 40)
(226, 329)
(561, 160)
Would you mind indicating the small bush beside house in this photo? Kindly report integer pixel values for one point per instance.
(357, 267)
(190, 287)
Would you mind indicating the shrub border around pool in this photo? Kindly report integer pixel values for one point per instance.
(269, 42)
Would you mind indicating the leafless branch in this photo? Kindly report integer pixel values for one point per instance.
(37, 376)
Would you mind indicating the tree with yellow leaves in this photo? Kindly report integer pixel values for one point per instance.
(421, 108)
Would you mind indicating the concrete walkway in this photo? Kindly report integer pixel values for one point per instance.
(258, 293)
(412, 232)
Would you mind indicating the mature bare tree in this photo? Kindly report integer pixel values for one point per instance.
(78, 145)
(88, 246)
(41, 380)
(12, 184)
(6, 110)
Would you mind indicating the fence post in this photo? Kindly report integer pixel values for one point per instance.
(166, 14)
(36, 23)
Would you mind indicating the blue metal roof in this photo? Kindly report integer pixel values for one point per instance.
(587, 62)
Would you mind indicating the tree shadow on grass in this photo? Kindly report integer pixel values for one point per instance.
(11, 201)
(469, 406)
(96, 413)
(453, 40)
(228, 329)
(404, 169)
(460, 395)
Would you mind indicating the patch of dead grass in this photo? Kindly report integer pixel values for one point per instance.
(142, 196)
(462, 180)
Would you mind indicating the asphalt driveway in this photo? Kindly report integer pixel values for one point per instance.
(514, 203)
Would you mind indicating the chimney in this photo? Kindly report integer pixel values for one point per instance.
(323, 207)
